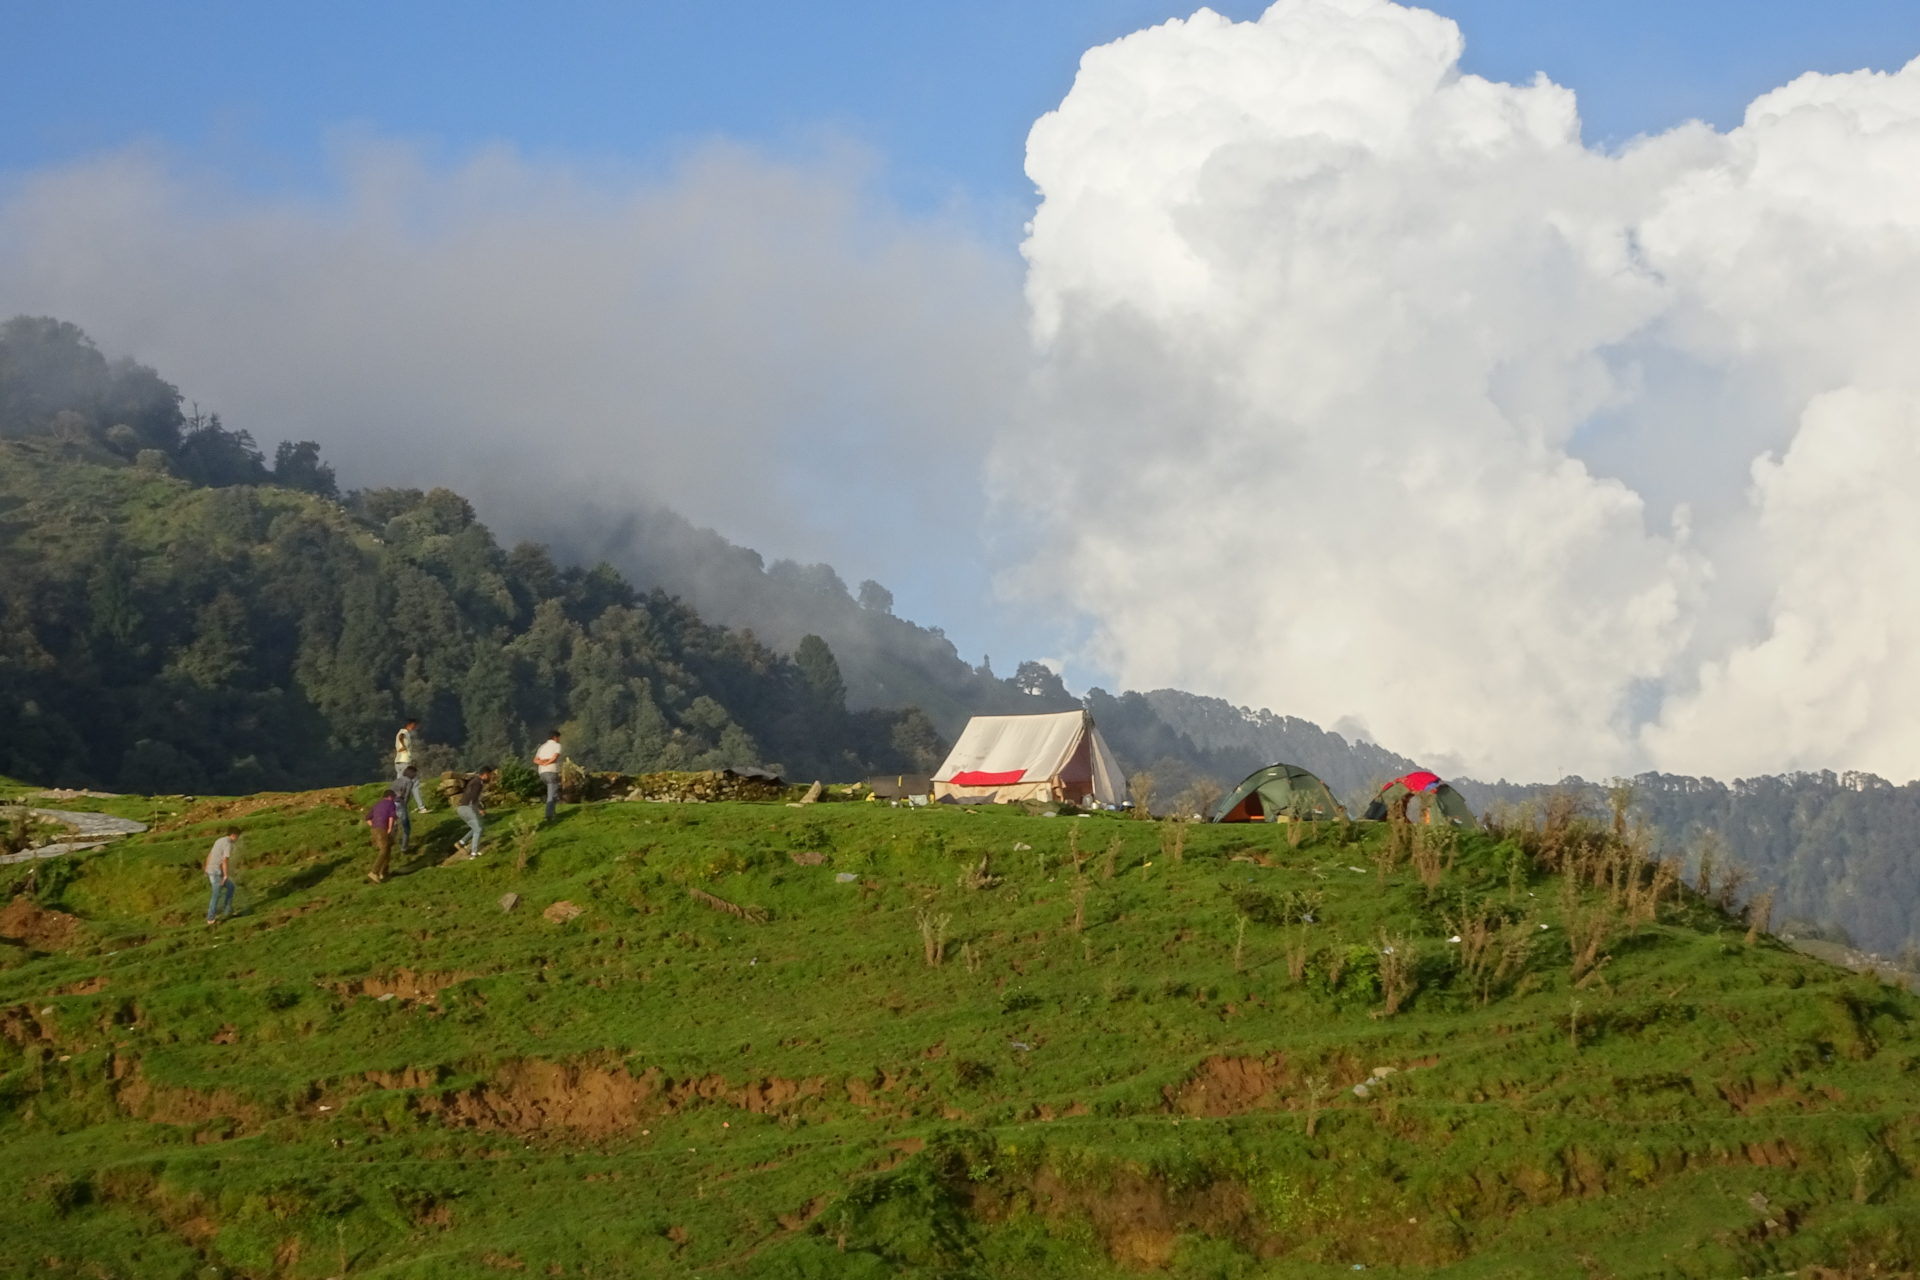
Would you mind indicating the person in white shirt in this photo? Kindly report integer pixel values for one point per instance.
(220, 874)
(403, 746)
(547, 761)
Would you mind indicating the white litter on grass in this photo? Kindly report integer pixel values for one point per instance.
(846, 877)
(1361, 870)
(1543, 928)
(1019, 847)
(386, 997)
(324, 1108)
(1454, 938)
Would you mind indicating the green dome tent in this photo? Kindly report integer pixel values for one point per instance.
(1279, 793)
(1428, 796)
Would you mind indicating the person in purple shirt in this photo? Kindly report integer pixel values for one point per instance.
(380, 820)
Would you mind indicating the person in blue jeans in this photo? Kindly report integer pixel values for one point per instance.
(407, 787)
(220, 874)
(472, 805)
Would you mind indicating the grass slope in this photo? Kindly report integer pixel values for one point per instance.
(406, 1081)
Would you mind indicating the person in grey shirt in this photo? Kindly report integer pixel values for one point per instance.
(220, 874)
(407, 787)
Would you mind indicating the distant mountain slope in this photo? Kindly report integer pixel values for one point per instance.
(887, 660)
(1256, 738)
(1840, 851)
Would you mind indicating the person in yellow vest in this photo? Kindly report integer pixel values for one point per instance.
(547, 761)
(403, 747)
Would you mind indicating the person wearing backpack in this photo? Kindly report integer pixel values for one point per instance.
(547, 761)
(472, 804)
(381, 820)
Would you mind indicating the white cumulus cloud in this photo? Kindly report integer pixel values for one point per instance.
(1368, 389)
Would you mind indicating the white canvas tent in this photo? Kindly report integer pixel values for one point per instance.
(1004, 759)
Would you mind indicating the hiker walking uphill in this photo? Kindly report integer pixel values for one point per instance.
(403, 746)
(380, 820)
(547, 761)
(472, 805)
(405, 786)
(220, 874)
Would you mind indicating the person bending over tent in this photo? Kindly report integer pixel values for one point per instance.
(1436, 796)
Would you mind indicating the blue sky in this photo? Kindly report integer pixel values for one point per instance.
(943, 91)
(940, 95)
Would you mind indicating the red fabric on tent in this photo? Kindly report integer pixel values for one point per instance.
(1420, 781)
(980, 778)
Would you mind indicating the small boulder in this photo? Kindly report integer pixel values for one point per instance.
(814, 793)
(508, 901)
(561, 911)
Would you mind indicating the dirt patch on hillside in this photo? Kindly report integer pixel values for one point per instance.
(85, 987)
(598, 1102)
(404, 985)
(38, 927)
(1229, 1086)
(20, 1025)
(178, 1104)
(1139, 1220)
(246, 806)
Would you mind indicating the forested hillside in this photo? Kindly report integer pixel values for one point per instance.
(887, 660)
(174, 617)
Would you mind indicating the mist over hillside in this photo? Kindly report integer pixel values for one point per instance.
(181, 614)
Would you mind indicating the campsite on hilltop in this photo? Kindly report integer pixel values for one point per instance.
(846, 1039)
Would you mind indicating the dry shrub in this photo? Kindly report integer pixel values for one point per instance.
(1397, 959)
(1075, 854)
(977, 876)
(1317, 1089)
(1619, 803)
(1732, 880)
(1759, 916)
(1651, 882)
(933, 936)
(1080, 886)
(1592, 926)
(1709, 857)
(1110, 861)
(1240, 945)
(1493, 950)
(1198, 799)
(1297, 952)
(1140, 791)
(1173, 840)
(1433, 852)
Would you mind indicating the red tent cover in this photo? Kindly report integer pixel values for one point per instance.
(981, 778)
(1418, 781)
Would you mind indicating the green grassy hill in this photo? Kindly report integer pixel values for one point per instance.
(847, 1041)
